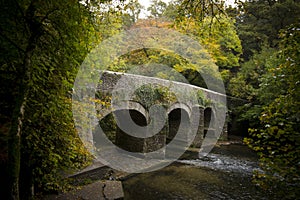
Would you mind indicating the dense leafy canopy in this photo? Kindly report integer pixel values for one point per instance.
(259, 22)
(269, 80)
(277, 141)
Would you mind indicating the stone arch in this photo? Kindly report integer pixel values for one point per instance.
(209, 118)
(126, 141)
(123, 105)
(176, 118)
(118, 137)
(174, 113)
(178, 105)
(178, 122)
(137, 113)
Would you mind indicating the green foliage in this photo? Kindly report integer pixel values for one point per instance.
(202, 100)
(278, 140)
(218, 36)
(269, 81)
(109, 127)
(166, 65)
(157, 8)
(199, 9)
(248, 79)
(259, 22)
(50, 142)
(249, 82)
(149, 95)
(44, 44)
(147, 57)
(172, 9)
(134, 8)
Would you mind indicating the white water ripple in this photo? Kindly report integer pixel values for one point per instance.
(224, 163)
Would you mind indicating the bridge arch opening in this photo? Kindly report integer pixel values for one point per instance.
(209, 118)
(179, 129)
(124, 140)
(178, 120)
(117, 136)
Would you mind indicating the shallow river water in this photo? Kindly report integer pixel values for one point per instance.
(224, 174)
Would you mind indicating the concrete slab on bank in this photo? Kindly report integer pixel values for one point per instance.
(100, 190)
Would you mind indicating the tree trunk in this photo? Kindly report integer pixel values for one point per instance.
(14, 145)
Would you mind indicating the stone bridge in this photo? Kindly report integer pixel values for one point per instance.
(149, 113)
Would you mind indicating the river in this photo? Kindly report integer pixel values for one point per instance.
(226, 173)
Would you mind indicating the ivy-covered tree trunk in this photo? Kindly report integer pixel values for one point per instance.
(14, 145)
(15, 134)
(14, 142)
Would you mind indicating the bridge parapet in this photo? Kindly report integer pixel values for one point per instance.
(117, 81)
